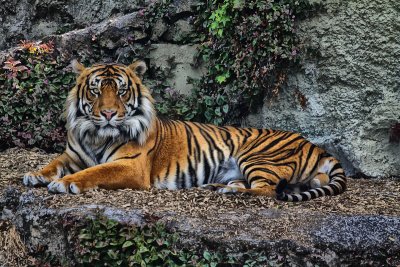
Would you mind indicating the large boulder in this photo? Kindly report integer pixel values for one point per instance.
(28, 19)
(350, 86)
(177, 62)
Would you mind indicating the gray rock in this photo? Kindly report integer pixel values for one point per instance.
(352, 88)
(180, 9)
(33, 20)
(177, 63)
(160, 27)
(180, 32)
(112, 34)
(304, 239)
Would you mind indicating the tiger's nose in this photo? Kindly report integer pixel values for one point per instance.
(108, 113)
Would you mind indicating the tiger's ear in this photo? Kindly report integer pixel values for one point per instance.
(76, 66)
(139, 67)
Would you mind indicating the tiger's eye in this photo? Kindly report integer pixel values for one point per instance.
(94, 91)
(122, 89)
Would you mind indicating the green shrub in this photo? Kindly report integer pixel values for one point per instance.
(33, 88)
(247, 48)
(105, 242)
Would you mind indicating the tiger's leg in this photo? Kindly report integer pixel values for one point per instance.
(124, 173)
(319, 180)
(261, 177)
(234, 183)
(261, 187)
(56, 169)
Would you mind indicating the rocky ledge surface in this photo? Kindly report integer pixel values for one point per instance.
(359, 227)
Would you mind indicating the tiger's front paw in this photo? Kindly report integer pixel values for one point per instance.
(213, 187)
(221, 188)
(35, 179)
(63, 186)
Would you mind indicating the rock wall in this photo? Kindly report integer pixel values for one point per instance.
(349, 76)
(104, 30)
(350, 79)
(28, 19)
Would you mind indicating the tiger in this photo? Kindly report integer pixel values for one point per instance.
(115, 140)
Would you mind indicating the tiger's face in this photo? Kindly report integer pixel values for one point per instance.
(109, 100)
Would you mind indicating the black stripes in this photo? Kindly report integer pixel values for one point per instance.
(83, 163)
(280, 187)
(335, 187)
(130, 157)
(114, 151)
(335, 167)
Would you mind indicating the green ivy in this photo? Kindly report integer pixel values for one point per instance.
(106, 242)
(247, 47)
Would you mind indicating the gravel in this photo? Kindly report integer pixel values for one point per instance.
(240, 221)
(364, 196)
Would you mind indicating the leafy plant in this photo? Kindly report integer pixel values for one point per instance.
(33, 88)
(246, 48)
(105, 242)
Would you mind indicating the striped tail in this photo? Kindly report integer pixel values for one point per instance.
(337, 185)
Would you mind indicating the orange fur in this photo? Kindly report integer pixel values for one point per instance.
(115, 140)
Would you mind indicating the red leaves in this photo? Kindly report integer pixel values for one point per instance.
(37, 48)
(13, 67)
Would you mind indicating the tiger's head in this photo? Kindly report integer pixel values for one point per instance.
(110, 101)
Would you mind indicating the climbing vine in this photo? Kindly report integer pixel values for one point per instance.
(246, 48)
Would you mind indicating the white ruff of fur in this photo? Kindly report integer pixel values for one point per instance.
(138, 126)
(133, 128)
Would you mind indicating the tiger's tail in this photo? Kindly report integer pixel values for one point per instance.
(336, 185)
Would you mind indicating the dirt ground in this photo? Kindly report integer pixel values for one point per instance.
(210, 209)
(364, 196)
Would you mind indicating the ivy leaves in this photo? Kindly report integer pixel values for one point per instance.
(250, 45)
(104, 242)
(246, 49)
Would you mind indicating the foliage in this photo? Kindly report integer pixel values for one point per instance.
(247, 47)
(33, 89)
(173, 104)
(107, 243)
(104, 242)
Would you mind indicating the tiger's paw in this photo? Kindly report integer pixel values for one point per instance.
(213, 187)
(64, 187)
(221, 188)
(35, 179)
(228, 190)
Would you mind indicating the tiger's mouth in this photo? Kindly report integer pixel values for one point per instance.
(109, 126)
(116, 122)
(109, 130)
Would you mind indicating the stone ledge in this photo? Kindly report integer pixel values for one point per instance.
(304, 239)
(359, 227)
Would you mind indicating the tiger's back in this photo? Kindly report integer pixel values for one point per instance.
(252, 160)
